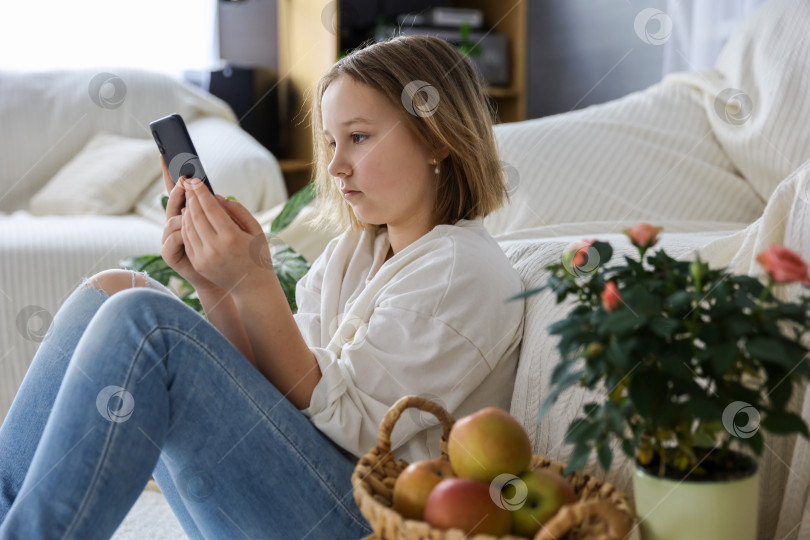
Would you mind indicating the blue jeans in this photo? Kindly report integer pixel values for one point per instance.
(138, 383)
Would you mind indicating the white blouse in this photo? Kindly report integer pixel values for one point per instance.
(432, 321)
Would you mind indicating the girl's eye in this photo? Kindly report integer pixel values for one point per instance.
(360, 136)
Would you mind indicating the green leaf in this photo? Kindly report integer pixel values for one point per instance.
(756, 443)
(642, 301)
(569, 323)
(664, 326)
(723, 357)
(703, 439)
(738, 325)
(679, 300)
(605, 455)
(645, 390)
(768, 349)
(560, 370)
(620, 321)
(579, 458)
(779, 386)
(591, 408)
(614, 418)
(292, 208)
(785, 423)
(628, 447)
(604, 250)
(751, 283)
(676, 366)
(743, 299)
(524, 294)
(619, 357)
(583, 429)
(290, 267)
(702, 407)
(563, 384)
(164, 201)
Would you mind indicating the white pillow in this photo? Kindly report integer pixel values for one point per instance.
(236, 164)
(648, 156)
(106, 177)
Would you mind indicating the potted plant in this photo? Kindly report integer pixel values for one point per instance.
(693, 361)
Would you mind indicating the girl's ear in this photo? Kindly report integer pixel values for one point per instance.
(443, 151)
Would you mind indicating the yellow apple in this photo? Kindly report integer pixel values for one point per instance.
(488, 443)
(466, 504)
(415, 483)
(546, 492)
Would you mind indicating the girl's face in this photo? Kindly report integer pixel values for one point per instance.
(383, 171)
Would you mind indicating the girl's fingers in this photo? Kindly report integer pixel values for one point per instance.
(187, 244)
(173, 245)
(206, 210)
(177, 199)
(190, 229)
(240, 215)
(172, 224)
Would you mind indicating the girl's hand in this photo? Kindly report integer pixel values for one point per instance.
(173, 251)
(223, 241)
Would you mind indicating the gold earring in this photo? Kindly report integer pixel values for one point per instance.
(436, 162)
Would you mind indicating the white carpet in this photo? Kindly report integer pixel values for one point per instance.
(150, 518)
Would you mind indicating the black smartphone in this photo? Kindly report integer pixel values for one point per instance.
(178, 151)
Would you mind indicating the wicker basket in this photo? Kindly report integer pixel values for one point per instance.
(602, 513)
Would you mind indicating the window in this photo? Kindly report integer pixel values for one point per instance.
(161, 35)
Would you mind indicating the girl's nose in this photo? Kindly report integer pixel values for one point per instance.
(339, 166)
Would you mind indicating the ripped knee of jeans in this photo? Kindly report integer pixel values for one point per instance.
(93, 283)
(146, 281)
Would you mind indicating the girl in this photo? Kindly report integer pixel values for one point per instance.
(251, 421)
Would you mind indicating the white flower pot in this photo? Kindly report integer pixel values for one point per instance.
(698, 510)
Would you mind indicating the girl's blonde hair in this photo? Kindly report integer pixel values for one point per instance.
(413, 72)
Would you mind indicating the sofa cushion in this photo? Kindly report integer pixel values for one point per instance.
(106, 177)
(649, 156)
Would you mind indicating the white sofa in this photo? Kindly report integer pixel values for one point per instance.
(719, 158)
(723, 180)
(46, 119)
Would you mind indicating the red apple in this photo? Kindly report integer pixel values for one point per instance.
(546, 491)
(415, 483)
(488, 443)
(466, 504)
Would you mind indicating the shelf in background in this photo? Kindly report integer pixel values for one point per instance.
(294, 165)
(502, 92)
(297, 173)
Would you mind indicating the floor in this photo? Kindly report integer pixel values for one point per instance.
(150, 518)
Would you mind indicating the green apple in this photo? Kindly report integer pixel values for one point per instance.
(415, 483)
(546, 491)
(459, 503)
(488, 443)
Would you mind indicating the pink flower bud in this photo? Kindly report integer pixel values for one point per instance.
(611, 299)
(783, 265)
(580, 250)
(643, 235)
